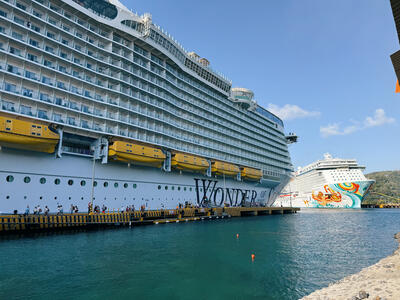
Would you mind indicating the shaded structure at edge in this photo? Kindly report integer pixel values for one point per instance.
(395, 57)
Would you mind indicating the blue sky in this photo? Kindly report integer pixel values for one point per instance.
(324, 66)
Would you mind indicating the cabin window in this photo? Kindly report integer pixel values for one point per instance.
(27, 179)
(70, 182)
(125, 185)
(10, 178)
(57, 181)
(83, 183)
(134, 185)
(42, 180)
(116, 184)
(105, 184)
(159, 187)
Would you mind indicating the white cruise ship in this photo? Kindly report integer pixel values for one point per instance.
(327, 183)
(99, 104)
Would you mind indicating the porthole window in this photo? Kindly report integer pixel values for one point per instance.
(83, 183)
(57, 181)
(190, 189)
(27, 179)
(94, 183)
(173, 188)
(134, 185)
(10, 178)
(184, 188)
(159, 187)
(166, 187)
(125, 185)
(179, 188)
(42, 180)
(105, 184)
(70, 182)
(116, 184)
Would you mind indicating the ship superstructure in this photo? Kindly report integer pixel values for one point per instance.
(99, 103)
(331, 183)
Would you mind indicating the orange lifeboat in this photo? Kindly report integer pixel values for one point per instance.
(223, 168)
(188, 162)
(251, 174)
(20, 134)
(134, 153)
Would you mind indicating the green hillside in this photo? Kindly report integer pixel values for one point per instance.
(388, 183)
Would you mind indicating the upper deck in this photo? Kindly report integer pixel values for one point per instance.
(330, 163)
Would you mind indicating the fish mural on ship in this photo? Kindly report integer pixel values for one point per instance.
(346, 194)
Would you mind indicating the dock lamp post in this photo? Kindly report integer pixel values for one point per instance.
(92, 192)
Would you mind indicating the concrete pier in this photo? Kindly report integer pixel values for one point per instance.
(386, 205)
(35, 223)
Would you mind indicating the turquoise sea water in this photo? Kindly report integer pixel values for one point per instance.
(295, 254)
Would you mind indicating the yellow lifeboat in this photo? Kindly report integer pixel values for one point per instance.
(182, 161)
(127, 152)
(223, 168)
(27, 135)
(251, 174)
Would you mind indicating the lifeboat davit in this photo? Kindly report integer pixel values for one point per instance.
(251, 174)
(223, 168)
(27, 135)
(187, 162)
(134, 153)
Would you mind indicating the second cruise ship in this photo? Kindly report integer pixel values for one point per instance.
(99, 104)
(328, 183)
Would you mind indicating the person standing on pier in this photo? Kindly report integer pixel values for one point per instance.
(46, 210)
(27, 210)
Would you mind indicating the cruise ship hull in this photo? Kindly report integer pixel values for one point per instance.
(30, 179)
(337, 195)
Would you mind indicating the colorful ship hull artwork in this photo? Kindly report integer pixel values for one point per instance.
(340, 195)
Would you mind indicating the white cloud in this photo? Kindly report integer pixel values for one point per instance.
(290, 112)
(378, 119)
